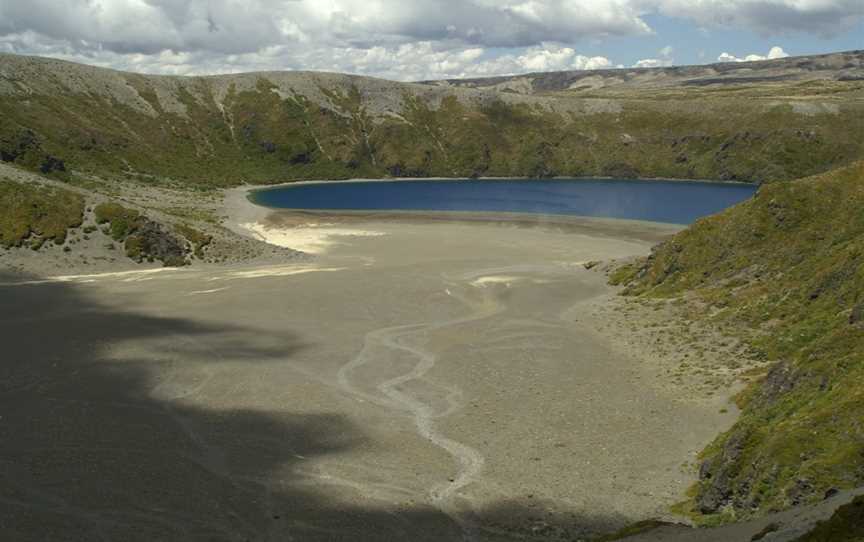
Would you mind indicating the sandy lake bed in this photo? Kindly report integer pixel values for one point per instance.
(418, 379)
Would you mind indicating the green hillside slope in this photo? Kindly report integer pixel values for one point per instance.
(59, 117)
(786, 271)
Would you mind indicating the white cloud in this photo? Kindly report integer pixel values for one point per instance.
(774, 17)
(664, 59)
(547, 57)
(386, 38)
(389, 38)
(652, 63)
(774, 53)
(239, 26)
(420, 61)
(406, 62)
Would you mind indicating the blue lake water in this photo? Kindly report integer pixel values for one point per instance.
(676, 202)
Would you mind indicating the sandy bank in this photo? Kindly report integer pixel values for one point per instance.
(316, 231)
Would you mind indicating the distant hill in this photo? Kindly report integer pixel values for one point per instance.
(755, 122)
(845, 66)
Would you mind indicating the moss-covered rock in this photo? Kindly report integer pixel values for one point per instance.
(151, 242)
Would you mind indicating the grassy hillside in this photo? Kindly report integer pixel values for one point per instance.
(77, 121)
(786, 271)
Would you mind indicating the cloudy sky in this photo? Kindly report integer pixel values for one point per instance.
(423, 39)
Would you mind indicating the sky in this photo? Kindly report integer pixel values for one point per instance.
(411, 40)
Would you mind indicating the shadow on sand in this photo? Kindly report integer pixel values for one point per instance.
(93, 447)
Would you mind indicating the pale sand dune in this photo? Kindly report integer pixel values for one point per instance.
(274, 271)
(204, 292)
(506, 280)
(127, 276)
(311, 238)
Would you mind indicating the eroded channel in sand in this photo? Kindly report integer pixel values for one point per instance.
(406, 338)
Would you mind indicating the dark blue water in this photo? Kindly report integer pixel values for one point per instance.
(677, 202)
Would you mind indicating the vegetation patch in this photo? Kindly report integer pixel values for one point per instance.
(199, 240)
(121, 221)
(34, 215)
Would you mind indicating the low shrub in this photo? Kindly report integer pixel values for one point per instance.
(37, 214)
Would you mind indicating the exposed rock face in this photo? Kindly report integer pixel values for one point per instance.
(151, 242)
(800, 492)
(51, 164)
(857, 316)
(717, 474)
(722, 483)
(16, 146)
(781, 379)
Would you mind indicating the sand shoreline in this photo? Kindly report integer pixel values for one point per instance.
(311, 227)
(409, 179)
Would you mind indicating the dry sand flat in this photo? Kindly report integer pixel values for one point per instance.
(426, 380)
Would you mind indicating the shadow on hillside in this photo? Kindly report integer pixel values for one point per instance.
(97, 447)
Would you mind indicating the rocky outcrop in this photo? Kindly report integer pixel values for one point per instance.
(52, 164)
(151, 242)
(17, 145)
(724, 479)
(717, 474)
(781, 379)
(143, 238)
